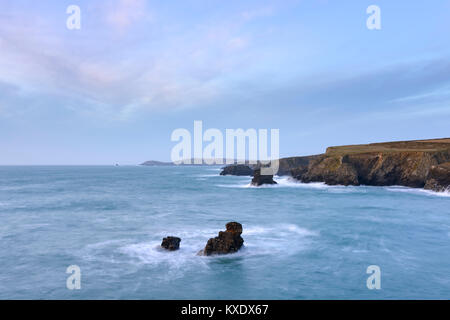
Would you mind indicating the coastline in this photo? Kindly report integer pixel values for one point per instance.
(416, 164)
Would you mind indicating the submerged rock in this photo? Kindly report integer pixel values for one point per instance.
(228, 241)
(171, 243)
(237, 170)
(439, 178)
(259, 180)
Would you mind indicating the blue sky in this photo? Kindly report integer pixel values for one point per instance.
(113, 91)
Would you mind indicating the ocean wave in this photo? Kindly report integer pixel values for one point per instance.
(206, 175)
(259, 240)
(248, 185)
(282, 230)
(289, 182)
(417, 191)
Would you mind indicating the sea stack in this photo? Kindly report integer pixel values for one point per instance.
(228, 241)
(259, 180)
(171, 243)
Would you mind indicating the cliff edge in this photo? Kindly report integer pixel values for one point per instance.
(405, 163)
(416, 163)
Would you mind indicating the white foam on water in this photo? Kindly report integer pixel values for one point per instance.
(289, 182)
(259, 240)
(214, 169)
(206, 176)
(234, 185)
(280, 229)
(418, 191)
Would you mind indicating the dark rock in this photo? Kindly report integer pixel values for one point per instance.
(237, 170)
(286, 165)
(439, 178)
(259, 180)
(171, 243)
(228, 241)
(284, 169)
(332, 171)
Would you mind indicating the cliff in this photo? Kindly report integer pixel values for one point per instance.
(405, 163)
(286, 165)
(439, 178)
(418, 164)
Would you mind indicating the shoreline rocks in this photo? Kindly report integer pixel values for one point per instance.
(171, 243)
(229, 241)
(415, 164)
(237, 170)
(439, 178)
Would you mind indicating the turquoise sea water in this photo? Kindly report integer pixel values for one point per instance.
(302, 241)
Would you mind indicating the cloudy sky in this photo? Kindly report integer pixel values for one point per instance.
(113, 91)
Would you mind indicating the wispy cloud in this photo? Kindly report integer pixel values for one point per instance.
(184, 71)
(196, 64)
(121, 14)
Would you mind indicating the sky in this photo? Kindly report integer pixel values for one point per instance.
(114, 90)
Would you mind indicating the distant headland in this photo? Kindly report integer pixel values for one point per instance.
(191, 162)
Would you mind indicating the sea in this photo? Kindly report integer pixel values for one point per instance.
(302, 241)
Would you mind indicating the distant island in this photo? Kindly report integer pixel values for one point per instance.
(193, 162)
(157, 163)
(416, 163)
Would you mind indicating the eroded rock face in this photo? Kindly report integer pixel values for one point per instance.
(405, 168)
(259, 180)
(228, 241)
(439, 178)
(332, 171)
(284, 169)
(417, 164)
(237, 170)
(171, 243)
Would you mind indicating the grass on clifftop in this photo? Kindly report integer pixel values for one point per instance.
(397, 146)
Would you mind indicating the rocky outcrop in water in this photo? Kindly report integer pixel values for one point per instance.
(439, 178)
(237, 170)
(228, 241)
(171, 243)
(259, 180)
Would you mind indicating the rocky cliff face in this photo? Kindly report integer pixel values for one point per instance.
(418, 164)
(286, 165)
(397, 163)
(439, 178)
